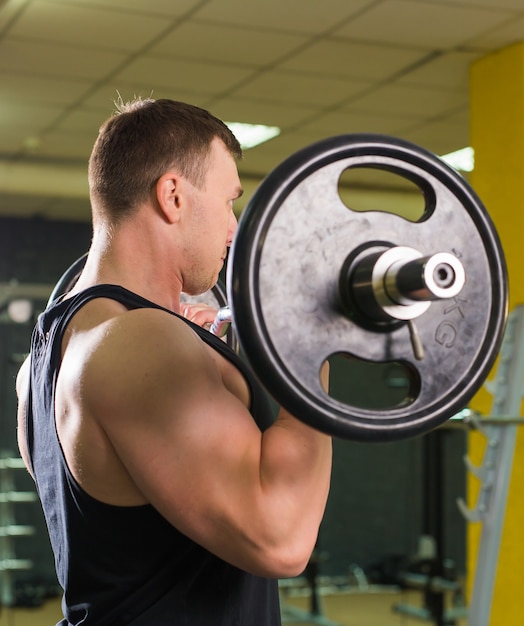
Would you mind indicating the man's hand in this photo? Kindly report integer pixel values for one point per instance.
(200, 313)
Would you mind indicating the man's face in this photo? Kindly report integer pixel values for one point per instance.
(213, 222)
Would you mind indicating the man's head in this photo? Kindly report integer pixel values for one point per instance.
(143, 140)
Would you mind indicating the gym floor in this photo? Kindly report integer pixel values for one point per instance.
(341, 609)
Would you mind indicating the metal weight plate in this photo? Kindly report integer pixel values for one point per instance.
(283, 287)
(214, 297)
(68, 279)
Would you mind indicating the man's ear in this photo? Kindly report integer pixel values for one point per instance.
(168, 188)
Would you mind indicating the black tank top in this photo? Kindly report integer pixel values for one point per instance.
(127, 566)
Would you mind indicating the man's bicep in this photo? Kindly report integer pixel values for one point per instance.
(189, 444)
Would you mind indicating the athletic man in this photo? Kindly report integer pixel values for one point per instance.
(170, 494)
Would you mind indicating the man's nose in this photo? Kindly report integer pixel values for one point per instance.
(233, 223)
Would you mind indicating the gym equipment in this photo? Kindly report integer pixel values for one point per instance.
(309, 278)
(68, 279)
(10, 530)
(500, 432)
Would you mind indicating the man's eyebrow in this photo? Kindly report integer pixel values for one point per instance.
(239, 191)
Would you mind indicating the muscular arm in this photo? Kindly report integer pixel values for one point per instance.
(176, 421)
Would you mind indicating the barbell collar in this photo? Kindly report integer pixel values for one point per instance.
(436, 277)
(222, 322)
(399, 283)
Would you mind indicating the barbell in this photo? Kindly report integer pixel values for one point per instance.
(310, 279)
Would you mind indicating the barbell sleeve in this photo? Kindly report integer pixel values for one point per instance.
(399, 282)
(222, 321)
(434, 277)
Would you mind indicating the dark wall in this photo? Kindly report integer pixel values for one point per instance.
(31, 251)
(378, 498)
(37, 250)
(377, 506)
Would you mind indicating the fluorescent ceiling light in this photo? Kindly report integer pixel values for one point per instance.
(462, 160)
(250, 135)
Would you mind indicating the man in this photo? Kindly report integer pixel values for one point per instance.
(170, 495)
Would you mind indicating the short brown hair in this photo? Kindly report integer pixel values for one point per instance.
(142, 141)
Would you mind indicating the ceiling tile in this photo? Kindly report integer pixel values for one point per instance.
(416, 102)
(347, 121)
(440, 136)
(9, 11)
(264, 158)
(292, 15)
(409, 21)
(398, 67)
(152, 7)
(512, 5)
(297, 89)
(85, 120)
(330, 57)
(24, 114)
(49, 59)
(88, 26)
(14, 142)
(150, 72)
(75, 146)
(449, 70)
(510, 32)
(227, 44)
(23, 88)
(256, 112)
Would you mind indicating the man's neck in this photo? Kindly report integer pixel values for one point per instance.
(137, 257)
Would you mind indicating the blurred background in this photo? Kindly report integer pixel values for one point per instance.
(307, 70)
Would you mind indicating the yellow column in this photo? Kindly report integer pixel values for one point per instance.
(497, 136)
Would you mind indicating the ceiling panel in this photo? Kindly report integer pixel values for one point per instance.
(433, 133)
(9, 9)
(23, 88)
(294, 88)
(447, 70)
(81, 24)
(149, 72)
(237, 45)
(282, 114)
(355, 120)
(514, 5)
(76, 144)
(423, 24)
(22, 117)
(510, 32)
(162, 8)
(56, 60)
(353, 59)
(315, 69)
(293, 16)
(418, 102)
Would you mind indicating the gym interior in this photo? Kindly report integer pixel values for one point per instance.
(424, 527)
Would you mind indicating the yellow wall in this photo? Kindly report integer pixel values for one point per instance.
(497, 136)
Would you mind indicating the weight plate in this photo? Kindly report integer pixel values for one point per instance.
(283, 287)
(68, 279)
